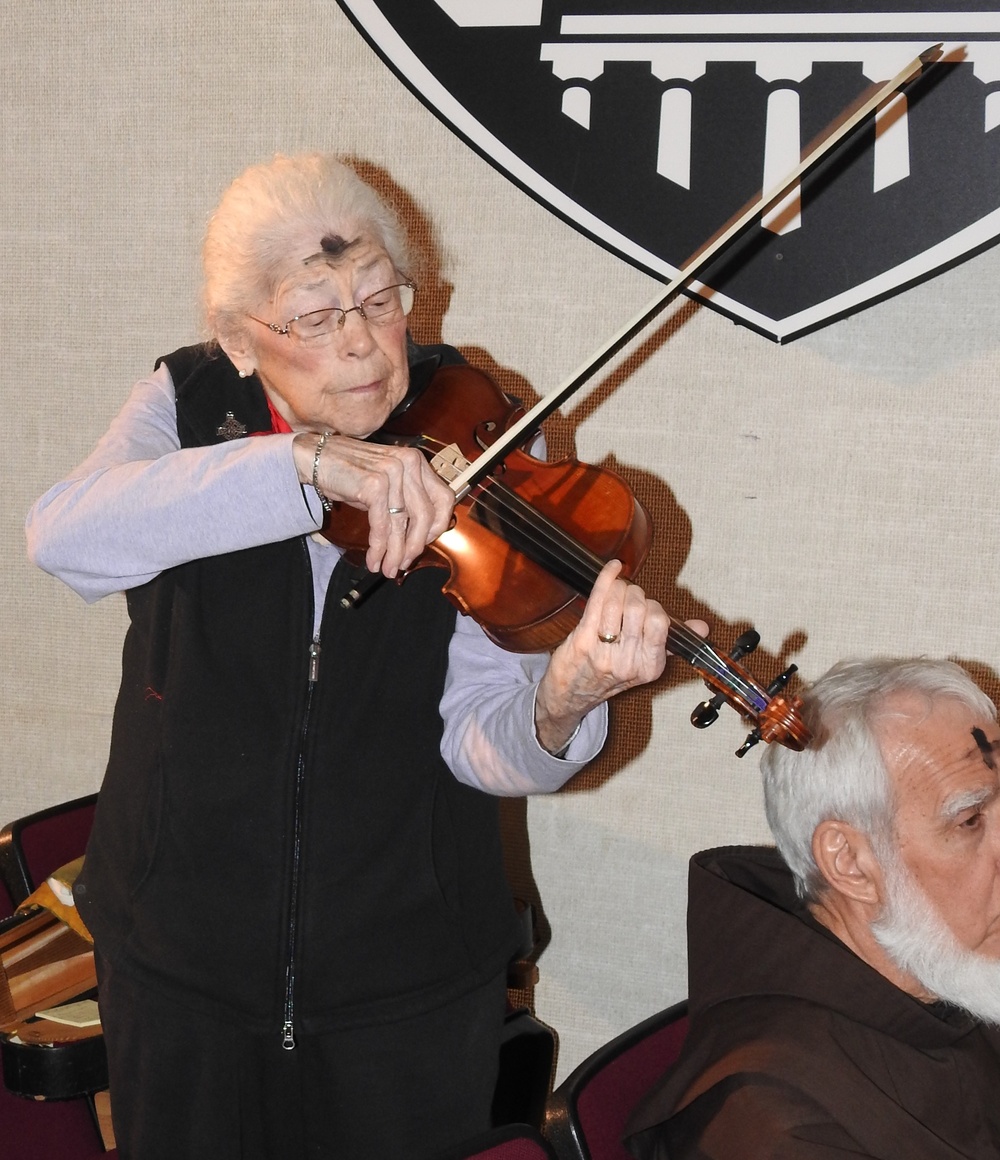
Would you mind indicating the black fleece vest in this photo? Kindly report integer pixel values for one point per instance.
(229, 769)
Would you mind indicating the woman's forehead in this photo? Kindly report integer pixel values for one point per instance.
(312, 270)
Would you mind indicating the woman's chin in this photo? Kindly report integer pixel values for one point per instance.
(359, 419)
(363, 410)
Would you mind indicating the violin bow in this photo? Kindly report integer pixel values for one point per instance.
(530, 421)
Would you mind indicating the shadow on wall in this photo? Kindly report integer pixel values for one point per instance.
(434, 299)
(632, 720)
(984, 676)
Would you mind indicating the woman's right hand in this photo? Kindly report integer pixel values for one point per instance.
(408, 505)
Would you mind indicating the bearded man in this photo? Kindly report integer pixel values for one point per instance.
(845, 989)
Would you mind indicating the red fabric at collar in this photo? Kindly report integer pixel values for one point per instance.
(278, 424)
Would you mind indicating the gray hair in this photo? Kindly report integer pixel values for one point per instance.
(841, 774)
(265, 211)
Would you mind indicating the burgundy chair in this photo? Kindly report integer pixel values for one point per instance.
(588, 1112)
(35, 845)
(49, 1130)
(512, 1142)
(30, 849)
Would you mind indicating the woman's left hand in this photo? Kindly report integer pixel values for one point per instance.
(620, 642)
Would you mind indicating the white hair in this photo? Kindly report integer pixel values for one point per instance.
(841, 774)
(919, 941)
(266, 211)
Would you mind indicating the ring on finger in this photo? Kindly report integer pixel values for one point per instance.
(397, 511)
(607, 637)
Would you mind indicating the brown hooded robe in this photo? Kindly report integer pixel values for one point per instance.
(801, 1051)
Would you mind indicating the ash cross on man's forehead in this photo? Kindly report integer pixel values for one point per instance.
(986, 747)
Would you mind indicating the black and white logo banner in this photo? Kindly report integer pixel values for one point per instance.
(648, 125)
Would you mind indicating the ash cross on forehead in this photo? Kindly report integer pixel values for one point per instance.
(986, 747)
(332, 246)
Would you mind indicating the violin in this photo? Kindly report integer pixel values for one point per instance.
(528, 538)
(527, 542)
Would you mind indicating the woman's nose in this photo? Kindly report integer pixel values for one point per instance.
(355, 332)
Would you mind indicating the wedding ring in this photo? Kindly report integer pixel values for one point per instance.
(607, 637)
(397, 511)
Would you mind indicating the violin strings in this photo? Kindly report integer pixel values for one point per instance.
(546, 536)
(693, 647)
(556, 546)
(573, 561)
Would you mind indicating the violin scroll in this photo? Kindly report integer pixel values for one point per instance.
(781, 720)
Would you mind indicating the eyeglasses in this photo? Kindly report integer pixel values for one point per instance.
(382, 308)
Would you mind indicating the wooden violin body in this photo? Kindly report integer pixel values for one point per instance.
(526, 544)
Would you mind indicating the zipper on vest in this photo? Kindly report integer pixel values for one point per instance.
(288, 1026)
(288, 1023)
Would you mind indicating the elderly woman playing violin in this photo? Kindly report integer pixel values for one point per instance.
(294, 879)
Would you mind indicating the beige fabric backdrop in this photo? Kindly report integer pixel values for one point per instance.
(838, 493)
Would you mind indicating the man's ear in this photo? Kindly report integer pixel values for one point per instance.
(845, 858)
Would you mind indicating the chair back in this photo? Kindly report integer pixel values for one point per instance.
(588, 1112)
(33, 846)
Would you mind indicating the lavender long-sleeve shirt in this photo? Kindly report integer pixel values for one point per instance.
(140, 503)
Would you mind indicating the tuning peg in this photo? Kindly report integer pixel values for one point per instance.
(781, 680)
(745, 644)
(753, 738)
(707, 713)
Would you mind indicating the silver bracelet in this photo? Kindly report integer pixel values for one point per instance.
(569, 741)
(326, 504)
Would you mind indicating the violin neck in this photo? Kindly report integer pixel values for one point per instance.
(719, 672)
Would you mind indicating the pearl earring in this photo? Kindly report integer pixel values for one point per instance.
(243, 373)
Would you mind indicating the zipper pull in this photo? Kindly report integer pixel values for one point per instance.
(287, 1037)
(314, 662)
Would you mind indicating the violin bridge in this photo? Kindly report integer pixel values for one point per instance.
(449, 462)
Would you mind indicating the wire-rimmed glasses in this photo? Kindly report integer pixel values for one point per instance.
(382, 308)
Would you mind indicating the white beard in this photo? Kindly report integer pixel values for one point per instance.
(919, 942)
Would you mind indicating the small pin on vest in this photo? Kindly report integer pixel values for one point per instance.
(231, 427)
